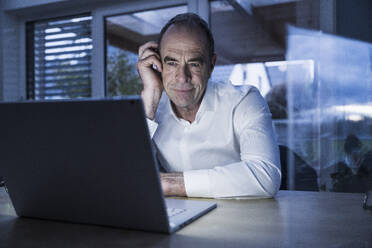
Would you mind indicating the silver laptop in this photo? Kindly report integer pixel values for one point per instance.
(87, 161)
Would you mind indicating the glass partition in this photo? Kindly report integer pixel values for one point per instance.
(319, 92)
(335, 111)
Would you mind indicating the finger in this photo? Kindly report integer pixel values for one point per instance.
(153, 60)
(150, 61)
(148, 45)
(148, 53)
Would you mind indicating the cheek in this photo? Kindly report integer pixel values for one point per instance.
(200, 77)
(167, 77)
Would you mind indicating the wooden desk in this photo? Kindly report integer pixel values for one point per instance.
(292, 219)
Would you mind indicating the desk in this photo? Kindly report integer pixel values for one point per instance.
(291, 219)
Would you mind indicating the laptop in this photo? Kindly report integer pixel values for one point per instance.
(87, 161)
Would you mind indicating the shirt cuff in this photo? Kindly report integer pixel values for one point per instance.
(197, 183)
(152, 125)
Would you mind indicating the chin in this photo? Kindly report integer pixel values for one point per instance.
(182, 104)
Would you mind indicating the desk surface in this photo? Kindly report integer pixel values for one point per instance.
(291, 219)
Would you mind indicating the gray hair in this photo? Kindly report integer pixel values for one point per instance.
(190, 20)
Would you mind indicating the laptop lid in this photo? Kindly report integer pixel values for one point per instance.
(85, 161)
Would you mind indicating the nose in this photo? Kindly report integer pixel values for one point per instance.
(183, 74)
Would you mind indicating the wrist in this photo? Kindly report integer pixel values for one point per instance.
(152, 89)
(173, 184)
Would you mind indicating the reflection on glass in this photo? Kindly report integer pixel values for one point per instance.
(243, 37)
(250, 50)
(320, 97)
(125, 33)
(331, 125)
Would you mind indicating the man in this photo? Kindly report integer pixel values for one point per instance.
(215, 140)
(354, 174)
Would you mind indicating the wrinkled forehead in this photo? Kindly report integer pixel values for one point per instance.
(183, 39)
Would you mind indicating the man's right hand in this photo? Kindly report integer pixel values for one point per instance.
(151, 79)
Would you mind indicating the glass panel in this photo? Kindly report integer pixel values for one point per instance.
(125, 33)
(320, 96)
(243, 43)
(251, 51)
(337, 115)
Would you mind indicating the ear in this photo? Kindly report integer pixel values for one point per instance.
(213, 63)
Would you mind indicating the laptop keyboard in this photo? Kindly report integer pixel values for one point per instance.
(175, 211)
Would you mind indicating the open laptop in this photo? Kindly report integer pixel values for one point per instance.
(87, 161)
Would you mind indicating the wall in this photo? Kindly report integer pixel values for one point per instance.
(354, 19)
(10, 63)
(1, 52)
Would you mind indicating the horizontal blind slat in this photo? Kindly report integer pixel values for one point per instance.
(77, 54)
(40, 45)
(40, 55)
(86, 58)
(81, 78)
(64, 94)
(81, 86)
(62, 74)
(53, 37)
(40, 41)
(87, 64)
(46, 25)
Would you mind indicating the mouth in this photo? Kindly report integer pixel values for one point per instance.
(183, 90)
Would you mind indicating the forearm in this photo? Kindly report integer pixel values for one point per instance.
(253, 178)
(150, 99)
(173, 184)
(148, 60)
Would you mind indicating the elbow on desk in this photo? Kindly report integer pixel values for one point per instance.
(268, 179)
(271, 190)
(259, 183)
(266, 191)
(274, 185)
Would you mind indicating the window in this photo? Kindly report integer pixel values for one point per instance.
(317, 86)
(330, 119)
(125, 33)
(59, 58)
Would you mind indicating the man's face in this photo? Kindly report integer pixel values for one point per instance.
(186, 66)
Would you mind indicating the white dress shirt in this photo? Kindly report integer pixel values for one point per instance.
(228, 151)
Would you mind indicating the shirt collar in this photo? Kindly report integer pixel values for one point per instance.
(208, 102)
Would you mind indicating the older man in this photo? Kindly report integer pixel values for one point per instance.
(215, 140)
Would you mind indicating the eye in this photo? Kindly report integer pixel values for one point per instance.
(171, 63)
(195, 64)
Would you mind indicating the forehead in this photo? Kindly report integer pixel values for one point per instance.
(183, 40)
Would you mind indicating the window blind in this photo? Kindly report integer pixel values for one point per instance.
(59, 55)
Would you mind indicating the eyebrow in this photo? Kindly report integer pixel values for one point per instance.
(196, 59)
(167, 58)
